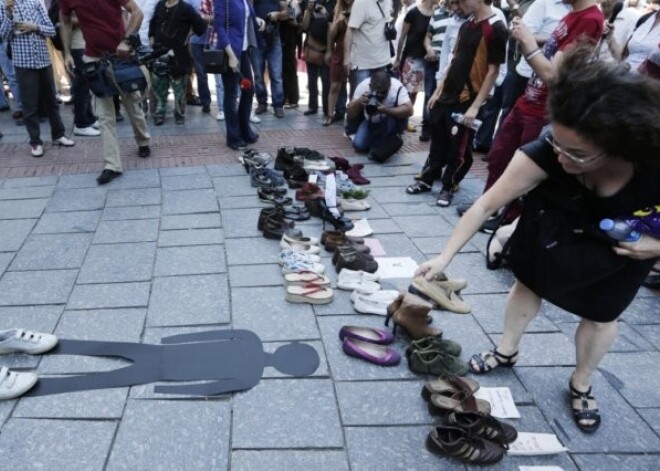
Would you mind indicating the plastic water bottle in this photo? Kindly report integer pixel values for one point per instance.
(458, 117)
(620, 230)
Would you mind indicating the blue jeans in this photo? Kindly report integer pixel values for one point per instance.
(8, 71)
(430, 84)
(83, 116)
(202, 80)
(220, 92)
(237, 119)
(272, 54)
(368, 133)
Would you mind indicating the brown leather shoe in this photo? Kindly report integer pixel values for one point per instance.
(355, 261)
(411, 312)
(275, 228)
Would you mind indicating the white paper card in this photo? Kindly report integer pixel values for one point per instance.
(331, 194)
(536, 444)
(540, 468)
(313, 178)
(501, 402)
(396, 267)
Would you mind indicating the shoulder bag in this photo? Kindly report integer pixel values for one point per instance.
(215, 61)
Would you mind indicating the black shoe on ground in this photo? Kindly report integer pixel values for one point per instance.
(206, 109)
(444, 198)
(424, 137)
(144, 151)
(279, 113)
(193, 101)
(107, 176)
(310, 112)
(261, 108)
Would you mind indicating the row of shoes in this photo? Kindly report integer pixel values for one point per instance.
(352, 171)
(303, 285)
(369, 344)
(288, 158)
(442, 292)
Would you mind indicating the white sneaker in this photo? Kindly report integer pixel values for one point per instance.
(359, 285)
(292, 256)
(96, 124)
(26, 341)
(299, 247)
(361, 229)
(64, 141)
(13, 384)
(37, 150)
(350, 204)
(366, 305)
(348, 273)
(297, 266)
(384, 295)
(220, 116)
(90, 131)
(254, 118)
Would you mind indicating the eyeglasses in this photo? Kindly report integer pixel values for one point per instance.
(578, 160)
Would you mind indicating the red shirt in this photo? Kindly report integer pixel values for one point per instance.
(100, 21)
(585, 24)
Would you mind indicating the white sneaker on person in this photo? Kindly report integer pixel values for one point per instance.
(37, 150)
(13, 384)
(96, 124)
(89, 131)
(254, 118)
(64, 141)
(220, 116)
(26, 341)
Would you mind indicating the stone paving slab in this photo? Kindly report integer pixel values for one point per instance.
(5, 409)
(189, 201)
(172, 435)
(117, 232)
(424, 226)
(613, 462)
(131, 213)
(190, 221)
(181, 171)
(287, 414)
(135, 197)
(628, 369)
(118, 263)
(97, 404)
(136, 179)
(86, 199)
(240, 222)
(193, 260)
(489, 310)
(246, 276)
(14, 233)
(542, 349)
(85, 180)
(26, 193)
(112, 295)
(189, 300)
(643, 310)
(471, 267)
(52, 252)
(5, 260)
(649, 332)
(48, 180)
(255, 251)
(185, 182)
(431, 246)
(241, 202)
(627, 339)
(234, 186)
(225, 170)
(22, 209)
(38, 318)
(17, 288)
(31, 444)
(184, 237)
(82, 221)
(652, 417)
(292, 460)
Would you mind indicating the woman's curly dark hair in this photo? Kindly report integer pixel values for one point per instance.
(615, 109)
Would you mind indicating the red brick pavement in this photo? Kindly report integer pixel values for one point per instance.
(180, 151)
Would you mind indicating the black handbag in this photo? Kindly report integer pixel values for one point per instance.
(215, 61)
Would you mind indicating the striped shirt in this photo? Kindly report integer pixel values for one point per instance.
(437, 28)
(29, 50)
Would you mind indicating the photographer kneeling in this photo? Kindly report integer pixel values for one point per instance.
(378, 114)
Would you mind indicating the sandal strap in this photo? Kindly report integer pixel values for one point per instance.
(507, 358)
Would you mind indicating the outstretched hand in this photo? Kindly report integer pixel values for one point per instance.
(431, 268)
(645, 248)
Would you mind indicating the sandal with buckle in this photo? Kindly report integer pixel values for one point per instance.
(449, 385)
(481, 361)
(484, 426)
(583, 412)
(461, 445)
(417, 188)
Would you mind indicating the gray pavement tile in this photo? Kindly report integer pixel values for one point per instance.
(111, 325)
(55, 444)
(252, 251)
(424, 226)
(397, 182)
(14, 233)
(370, 171)
(382, 403)
(245, 276)
(549, 387)
(49, 180)
(374, 448)
(652, 417)
(52, 251)
(172, 435)
(291, 460)
(265, 312)
(82, 221)
(190, 221)
(183, 237)
(26, 193)
(115, 232)
(85, 180)
(345, 368)
(115, 263)
(488, 310)
(241, 202)
(627, 338)
(287, 413)
(376, 211)
(409, 158)
(189, 201)
(5, 259)
(399, 245)
(471, 266)
(226, 170)
(650, 333)
(643, 310)
(194, 260)
(383, 226)
(22, 209)
(433, 245)
(137, 179)
(37, 318)
(390, 195)
(20, 288)
(86, 199)
(417, 208)
(6, 407)
(133, 197)
(240, 222)
(462, 329)
(109, 296)
(626, 368)
(97, 404)
(185, 182)
(179, 171)
(188, 300)
(131, 213)
(234, 186)
(341, 304)
(612, 462)
(543, 349)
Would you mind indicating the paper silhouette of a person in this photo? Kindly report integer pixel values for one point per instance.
(230, 360)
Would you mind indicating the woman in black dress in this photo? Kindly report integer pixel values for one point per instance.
(600, 159)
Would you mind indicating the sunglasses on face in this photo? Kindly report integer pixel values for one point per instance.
(578, 160)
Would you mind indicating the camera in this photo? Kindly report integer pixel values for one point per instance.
(390, 31)
(159, 60)
(371, 108)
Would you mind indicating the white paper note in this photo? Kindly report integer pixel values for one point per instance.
(396, 267)
(501, 402)
(536, 444)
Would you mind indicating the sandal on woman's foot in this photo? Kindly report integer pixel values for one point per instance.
(583, 411)
(479, 362)
(417, 188)
(328, 120)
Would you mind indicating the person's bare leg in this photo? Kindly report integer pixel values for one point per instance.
(592, 342)
(521, 308)
(333, 96)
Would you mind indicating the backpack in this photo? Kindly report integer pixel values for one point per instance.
(54, 16)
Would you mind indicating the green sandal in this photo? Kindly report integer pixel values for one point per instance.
(481, 361)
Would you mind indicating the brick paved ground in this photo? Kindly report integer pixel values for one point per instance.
(171, 247)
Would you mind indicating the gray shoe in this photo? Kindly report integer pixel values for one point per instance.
(279, 112)
(13, 384)
(26, 341)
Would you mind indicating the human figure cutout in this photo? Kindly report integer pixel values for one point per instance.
(231, 360)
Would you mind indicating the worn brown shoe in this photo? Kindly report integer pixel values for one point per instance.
(442, 296)
(411, 313)
(459, 444)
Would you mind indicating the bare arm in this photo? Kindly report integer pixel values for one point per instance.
(399, 48)
(348, 43)
(430, 52)
(484, 91)
(66, 27)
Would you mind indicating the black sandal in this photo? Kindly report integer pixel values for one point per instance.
(481, 360)
(583, 412)
(417, 188)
